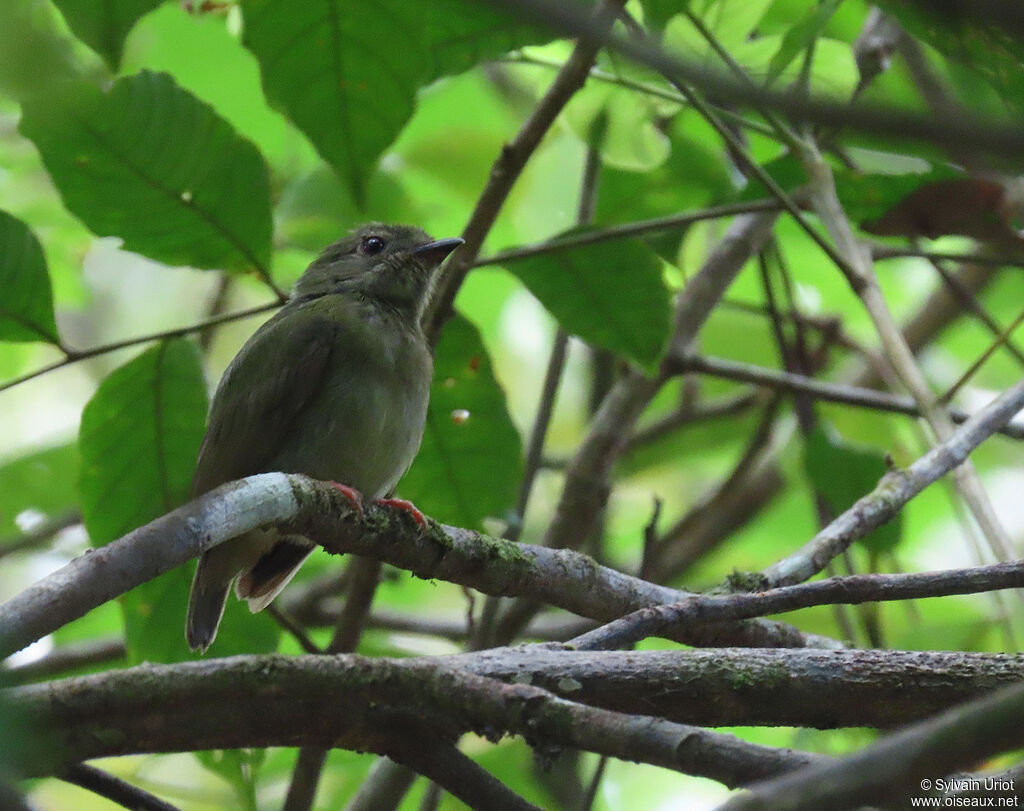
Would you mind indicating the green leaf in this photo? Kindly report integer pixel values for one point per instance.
(468, 467)
(104, 26)
(347, 73)
(787, 171)
(148, 162)
(657, 13)
(800, 37)
(26, 308)
(843, 472)
(611, 295)
(139, 440)
(986, 47)
(41, 481)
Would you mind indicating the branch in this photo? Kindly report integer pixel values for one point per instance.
(587, 478)
(851, 590)
(365, 577)
(627, 231)
(895, 489)
(820, 389)
(74, 356)
(65, 658)
(352, 702)
(895, 766)
(443, 763)
(985, 135)
(113, 788)
(510, 164)
(857, 267)
(299, 505)
(760, 687)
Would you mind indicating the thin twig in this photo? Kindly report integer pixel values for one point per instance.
(510, 164)
(819, 389)
(895, 489)
(848, 590)
(113, 788)
(76, 355)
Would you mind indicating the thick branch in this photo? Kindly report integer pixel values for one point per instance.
(350, 702)
(300, 505)
(895, 766)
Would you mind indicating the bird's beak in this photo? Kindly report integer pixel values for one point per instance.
(436, 252)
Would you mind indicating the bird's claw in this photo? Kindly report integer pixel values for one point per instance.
(354, 496)
(407, 506)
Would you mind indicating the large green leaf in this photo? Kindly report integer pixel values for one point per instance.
(104, 26)
(26, 308)
(611, 295)
(139, 440)
(469, 464)
(148, 162)
(346, 73)
(42, 481)
(842, 472)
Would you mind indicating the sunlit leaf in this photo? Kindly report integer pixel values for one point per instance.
(469, 463)
(611, 295)
(148, 162)
(104, 26)
(347, 73)
(26, 307)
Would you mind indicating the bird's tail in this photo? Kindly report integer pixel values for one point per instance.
(206, 603)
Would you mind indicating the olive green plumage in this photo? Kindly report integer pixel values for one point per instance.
(334, 386)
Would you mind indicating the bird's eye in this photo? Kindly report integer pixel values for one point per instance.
(371, 245)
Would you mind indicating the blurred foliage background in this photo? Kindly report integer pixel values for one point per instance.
(162, 164)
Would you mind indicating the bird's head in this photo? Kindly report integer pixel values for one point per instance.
(394, 264)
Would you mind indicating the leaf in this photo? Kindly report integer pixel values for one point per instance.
(657, 13)
(347, 73)
(800, 36)
(787, 171)
(843, 472)
(985, 46)
(104, 26)
(468, 467)
(611, 295)
(26, 308)
(148, 162)
(41, 481)
(139, 440)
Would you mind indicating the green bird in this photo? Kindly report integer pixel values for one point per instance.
(334, 386)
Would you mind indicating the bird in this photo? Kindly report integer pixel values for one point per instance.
(335, 386)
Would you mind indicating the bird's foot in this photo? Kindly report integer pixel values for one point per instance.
(407, 506)
(353, 495)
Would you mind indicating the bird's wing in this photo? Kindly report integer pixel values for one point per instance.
(268, 384)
